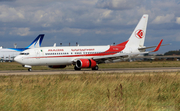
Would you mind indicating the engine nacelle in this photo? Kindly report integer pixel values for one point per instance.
(85, 63)
(57, 66)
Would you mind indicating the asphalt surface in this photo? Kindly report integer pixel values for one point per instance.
(89, 71)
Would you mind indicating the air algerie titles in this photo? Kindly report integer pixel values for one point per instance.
(82, 49)
(71, 49)
(55, 49)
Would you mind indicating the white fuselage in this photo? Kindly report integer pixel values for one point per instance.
(65, 55)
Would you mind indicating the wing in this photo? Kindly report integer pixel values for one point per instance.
(144, 48)
(121, 56)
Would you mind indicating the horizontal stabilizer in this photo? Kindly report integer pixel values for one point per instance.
(151, 47)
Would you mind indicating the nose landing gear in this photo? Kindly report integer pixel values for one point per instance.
(28, 66)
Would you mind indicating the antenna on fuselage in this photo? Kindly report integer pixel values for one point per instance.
(60, 44)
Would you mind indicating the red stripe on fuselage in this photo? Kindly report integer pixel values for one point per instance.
(111, 51)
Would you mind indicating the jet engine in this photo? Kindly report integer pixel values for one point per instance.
(85, 63)
(57, 66)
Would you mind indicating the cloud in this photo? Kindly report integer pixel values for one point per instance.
(9, 14)
(118, 4)
(7, 0)
(164, 19)
(177, 37)
(87, 19)
(73, 31)
(20, 31)
(178, 20)
(108, 31)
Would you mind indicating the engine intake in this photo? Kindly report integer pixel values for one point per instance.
(85, 63)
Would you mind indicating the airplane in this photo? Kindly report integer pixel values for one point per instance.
(88, 56)
(8, 54)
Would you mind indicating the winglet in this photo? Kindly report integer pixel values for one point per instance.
(157, 48)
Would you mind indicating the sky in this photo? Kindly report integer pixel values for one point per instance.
(88, 22)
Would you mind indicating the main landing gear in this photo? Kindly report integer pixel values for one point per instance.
(95, 68)
(29, 69)
(78, 69)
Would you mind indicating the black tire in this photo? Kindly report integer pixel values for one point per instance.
(95, 68)
(29, 69)
(76, 68)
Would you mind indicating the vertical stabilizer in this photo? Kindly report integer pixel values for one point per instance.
(137, 38)
(37, 42)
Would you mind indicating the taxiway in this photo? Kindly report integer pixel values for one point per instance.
(88, 71)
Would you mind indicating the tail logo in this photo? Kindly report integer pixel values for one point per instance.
(139, 34)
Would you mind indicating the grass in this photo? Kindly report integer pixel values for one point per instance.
(143, 64)
(16, 66)
(97, 92)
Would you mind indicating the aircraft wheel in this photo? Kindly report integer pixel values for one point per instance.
(95, 68)
(29, 69)
(75, 68)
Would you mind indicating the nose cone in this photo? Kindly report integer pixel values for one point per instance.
(18, 59)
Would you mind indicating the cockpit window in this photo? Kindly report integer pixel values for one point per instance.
(24, 53)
